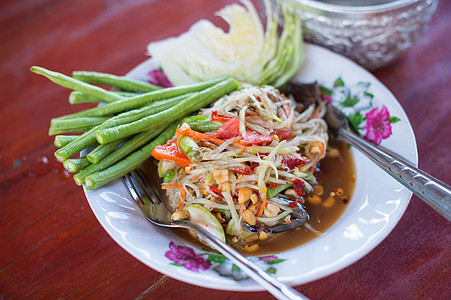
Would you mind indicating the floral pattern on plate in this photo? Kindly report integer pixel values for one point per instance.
(183, 256)
(356, 102)
(375, 209)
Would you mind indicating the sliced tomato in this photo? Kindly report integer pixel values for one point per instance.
(283, 134)
(229, 129)
(254, 138)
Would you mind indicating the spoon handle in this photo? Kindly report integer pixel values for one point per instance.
(429, 189)
(272, 285)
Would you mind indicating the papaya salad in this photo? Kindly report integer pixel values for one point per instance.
(240, 160)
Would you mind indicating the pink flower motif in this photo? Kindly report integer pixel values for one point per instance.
(327, 98)
(157, 77)
(185, 256)
(268, 258)
(378, 126)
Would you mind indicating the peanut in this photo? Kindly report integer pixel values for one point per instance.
(314, 199)
(329, 202)
(249, 217)
(179, 215)
(318, 190)
(271, 210)
(244, 194)
(252, 248)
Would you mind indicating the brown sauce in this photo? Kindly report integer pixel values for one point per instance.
(335, 172)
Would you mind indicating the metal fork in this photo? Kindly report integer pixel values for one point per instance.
(153, 207)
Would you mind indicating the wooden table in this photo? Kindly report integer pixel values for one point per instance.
(51, 245)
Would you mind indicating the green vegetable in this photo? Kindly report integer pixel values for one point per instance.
(76, 164)
(190, 148)
(185, 107)
(191, 119)
(273, 192)
(76, 97)
(83, 141)
(168, 176)
(204, 126)
(58, 126)
(63, 140)
(88, 138)
(247, 51)
(120, 82)
(148, 110)
(77, 85)
(285, 66)
(128, 147)
(202, 216)
(132, 161)
(141, 100)
(102, 150)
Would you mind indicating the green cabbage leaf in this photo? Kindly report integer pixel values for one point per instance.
(248, 51)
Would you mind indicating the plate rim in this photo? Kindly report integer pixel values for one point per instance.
(253, 286)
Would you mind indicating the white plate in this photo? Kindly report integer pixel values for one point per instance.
(375, 208)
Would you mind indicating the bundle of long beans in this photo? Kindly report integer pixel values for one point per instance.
(120, 135)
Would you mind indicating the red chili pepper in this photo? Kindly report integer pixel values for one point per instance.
(293, 204)
(254, 165)
(215, 190)
(243, 171)
(229, 129)
(299, 187)
(292, 163)
(221, 118)
(171, 152)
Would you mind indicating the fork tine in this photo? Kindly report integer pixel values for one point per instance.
(131, 185)
(142, 183)
(148, 186)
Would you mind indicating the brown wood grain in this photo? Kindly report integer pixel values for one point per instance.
(52, 246)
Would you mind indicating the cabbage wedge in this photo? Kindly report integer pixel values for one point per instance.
(248, 51)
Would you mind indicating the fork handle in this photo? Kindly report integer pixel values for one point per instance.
(272, 285)
(435, 193)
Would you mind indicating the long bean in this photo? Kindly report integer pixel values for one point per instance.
(142, 99)
(204, 126)
(123, 83)
(273, 192)
(190, 148)
(77, 85)
(128, 147)
(76, 97)
(83, 141)
(148, 110)
(131, 162)
(58, 126)
(76, 164)
(63, 140)
(102, 151)
(195, 118)
(88, 138)
(184, 108)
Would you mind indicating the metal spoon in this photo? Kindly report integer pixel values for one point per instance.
(149, 200)
(429, 189)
